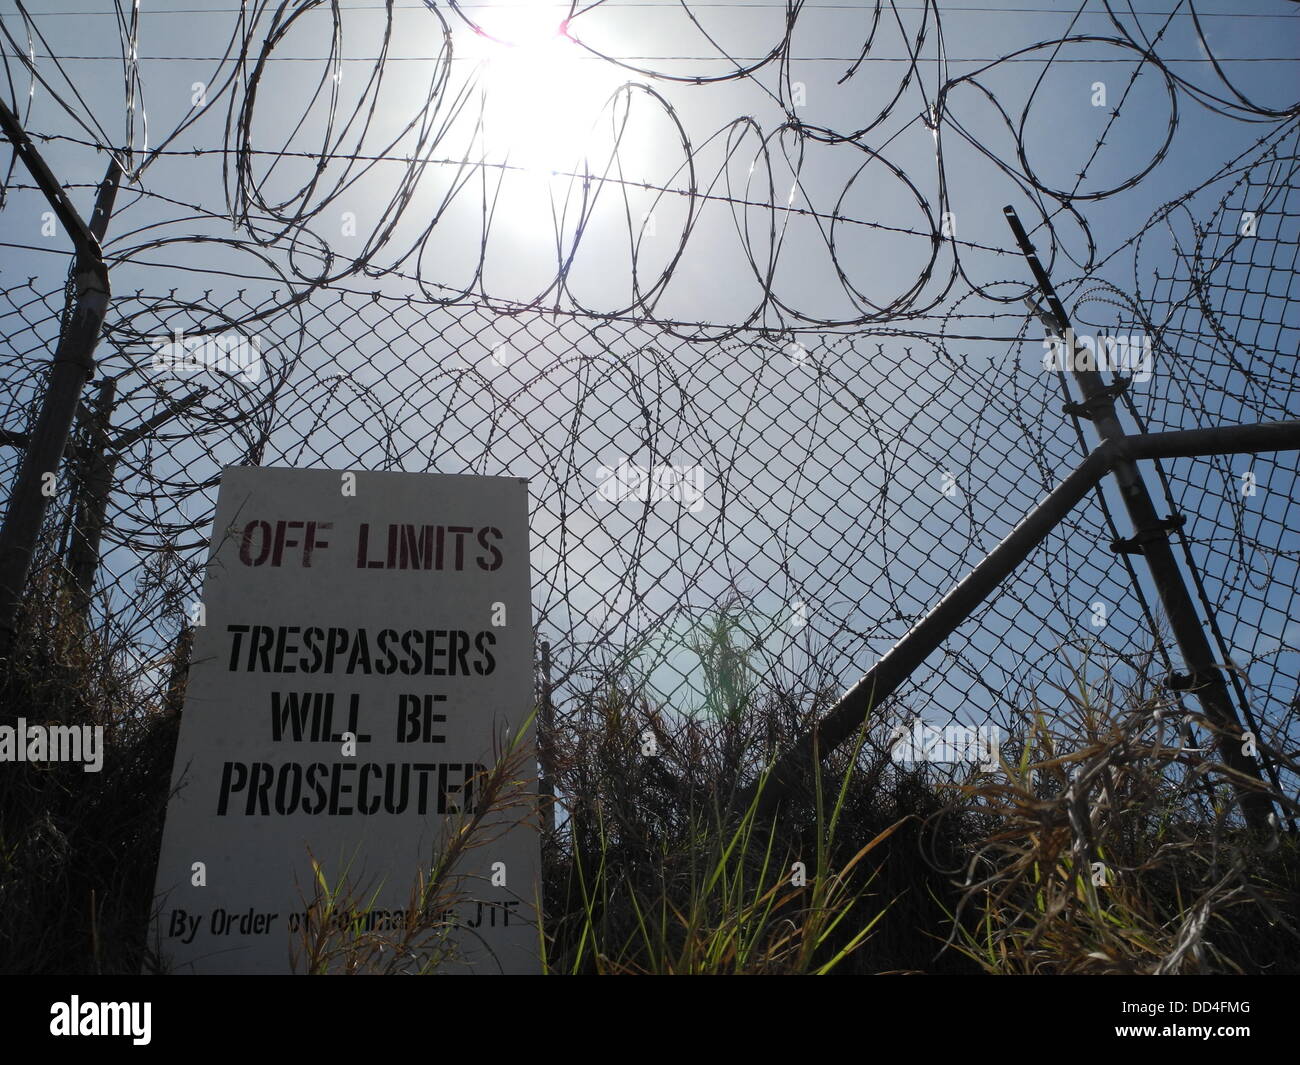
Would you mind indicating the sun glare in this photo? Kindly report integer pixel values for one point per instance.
(541, 92)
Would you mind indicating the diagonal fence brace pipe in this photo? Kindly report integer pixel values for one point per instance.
(853, 708)
(1150, 539)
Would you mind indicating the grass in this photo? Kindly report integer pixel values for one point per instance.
(1116, 851)
(335, 938)
(731, 900)
(77, 849)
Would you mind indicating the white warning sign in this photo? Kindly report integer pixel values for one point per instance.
(357, 713)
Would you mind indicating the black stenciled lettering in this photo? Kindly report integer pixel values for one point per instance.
(433, 651)
(413, 662)
(286, 801)
(314, 773)
(360, 654)
(343, 789)
(282, 540)
(234, 776)
(460, 531)
(310, 643)
(417, 548)
(289, 713)
(283, 647)
(312, 542)
(338, 790)
(236, 631)
(388, 664)
(495, 559)
(338, 643)
(396, 804)
(387, 652)
(265, 637)
(364, 803)
(459, 641)
(483, 643)
(261, 529)
(262, 776)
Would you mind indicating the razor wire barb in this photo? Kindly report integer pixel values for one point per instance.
(768, 493)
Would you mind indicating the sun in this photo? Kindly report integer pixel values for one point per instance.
(540, 92)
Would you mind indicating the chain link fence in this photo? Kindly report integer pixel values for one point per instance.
(795, 500)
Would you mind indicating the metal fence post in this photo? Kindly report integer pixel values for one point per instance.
(546, 735)
(95, 473)
(71, 368)
(1151, 540)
